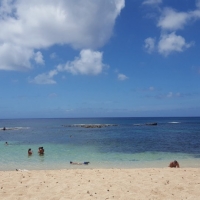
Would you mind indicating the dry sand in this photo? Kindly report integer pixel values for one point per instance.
(158, 183)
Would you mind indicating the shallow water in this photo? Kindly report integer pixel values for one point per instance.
(129, 144)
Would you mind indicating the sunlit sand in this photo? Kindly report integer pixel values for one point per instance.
(151, 183)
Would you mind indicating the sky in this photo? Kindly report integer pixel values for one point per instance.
(102, 58)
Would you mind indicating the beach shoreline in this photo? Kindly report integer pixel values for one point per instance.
(136, 183)
(43, 164)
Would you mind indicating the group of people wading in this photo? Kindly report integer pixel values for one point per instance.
(40, 151)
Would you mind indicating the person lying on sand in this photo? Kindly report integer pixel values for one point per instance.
(76, 163)
(174, 164)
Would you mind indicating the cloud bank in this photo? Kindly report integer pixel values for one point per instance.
(28, 26)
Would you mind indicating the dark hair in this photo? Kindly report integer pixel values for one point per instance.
(29, 149)
(175, 161)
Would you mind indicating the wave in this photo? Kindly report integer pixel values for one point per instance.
(13, 128)
(174, 122)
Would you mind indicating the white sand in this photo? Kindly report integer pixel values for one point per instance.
(158, 183)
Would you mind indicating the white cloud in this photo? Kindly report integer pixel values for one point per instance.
(169, 95)
(122, 77)
(172, 95)
(14, 57)
(196, 14)
(35, 24)
(45, 78)
(149, 44)
(89, 63)
(6, 8)
(151, 2)
(151, 88)
(198, 3)
(172, 20)
(167, 44)
(39, 58)
(172, 42)
(53, 55)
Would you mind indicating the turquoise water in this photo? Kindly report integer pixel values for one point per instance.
(128, 144)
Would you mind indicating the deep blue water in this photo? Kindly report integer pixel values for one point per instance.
(131, 143)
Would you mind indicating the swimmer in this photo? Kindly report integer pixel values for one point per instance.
(41, 150)
(30, 152)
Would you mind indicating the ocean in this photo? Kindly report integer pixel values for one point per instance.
(117, 143)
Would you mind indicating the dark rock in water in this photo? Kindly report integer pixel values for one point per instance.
(90, 125)
(138, 124)
(152, 124)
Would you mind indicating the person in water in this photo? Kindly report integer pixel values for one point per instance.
(76, 163)
(41, 150)
(174, 164)
(30, 152)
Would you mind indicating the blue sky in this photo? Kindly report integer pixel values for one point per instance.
(102, 58)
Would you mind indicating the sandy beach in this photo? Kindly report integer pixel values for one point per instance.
(150, 183)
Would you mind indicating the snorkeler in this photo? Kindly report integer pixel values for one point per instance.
(76, 163)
